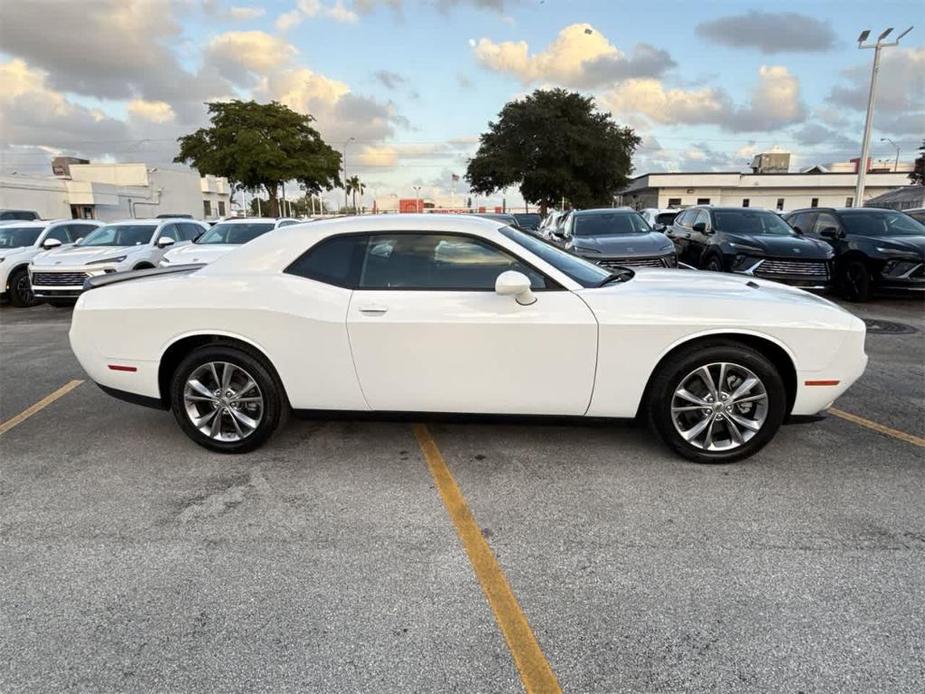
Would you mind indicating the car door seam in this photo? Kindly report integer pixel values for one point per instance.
(353, 360)
(597, 352)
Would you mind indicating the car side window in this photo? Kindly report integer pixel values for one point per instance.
(170, 231)
(438, 262)
(335, 260)
(702, 216)
(191, 231)
(825, 220)
(684, 219)
(59, 234)
(78, 231)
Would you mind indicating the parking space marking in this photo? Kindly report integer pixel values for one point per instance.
(879, 428)
(40, 405)
(535, 673)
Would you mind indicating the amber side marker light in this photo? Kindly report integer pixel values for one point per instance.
(821, 383)
(119, 367)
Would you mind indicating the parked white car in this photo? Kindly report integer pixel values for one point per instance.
(21, 241)
(223, 237)
(58, 276)
(659, 219)
(434, 313)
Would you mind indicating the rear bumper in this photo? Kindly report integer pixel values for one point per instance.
(134, 398)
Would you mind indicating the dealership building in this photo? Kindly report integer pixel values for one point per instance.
(117, 191)
(769, 185)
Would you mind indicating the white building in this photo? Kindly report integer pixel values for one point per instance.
(774, 191)
(118, 191)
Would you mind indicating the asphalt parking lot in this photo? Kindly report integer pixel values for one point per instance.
(132, 560)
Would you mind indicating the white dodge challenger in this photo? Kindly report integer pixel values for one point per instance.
(453, 314)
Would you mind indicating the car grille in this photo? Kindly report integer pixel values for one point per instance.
(59, 279)
(613, 263)
(809, 269)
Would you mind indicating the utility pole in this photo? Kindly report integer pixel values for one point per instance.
(871, 98)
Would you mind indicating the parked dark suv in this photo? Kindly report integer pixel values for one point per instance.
(874, 248)
(750, 241)
(613, 238)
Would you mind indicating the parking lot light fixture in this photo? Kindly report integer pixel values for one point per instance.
(871, 97)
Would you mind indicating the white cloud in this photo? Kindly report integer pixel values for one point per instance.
(152, 111)
(240, 55)
(579, 56)
(309, 9)
(774, 103)
(245, 14)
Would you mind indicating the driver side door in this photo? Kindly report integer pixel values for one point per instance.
(429, 333)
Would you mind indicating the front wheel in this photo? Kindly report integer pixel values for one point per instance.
(856, 281)
(21, 289)
(714, 264)
(717, 403)
(225, 399)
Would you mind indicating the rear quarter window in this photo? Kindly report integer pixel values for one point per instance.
(334, 260)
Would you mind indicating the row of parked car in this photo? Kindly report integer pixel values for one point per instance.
(49, 260)
(856, 251)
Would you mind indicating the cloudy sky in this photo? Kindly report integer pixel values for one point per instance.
(415, 81)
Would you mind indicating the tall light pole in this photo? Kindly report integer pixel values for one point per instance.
(417, 198)
(871, 97)
(896, 165)
(346, 201)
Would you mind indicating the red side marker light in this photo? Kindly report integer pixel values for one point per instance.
(119, 367)
(821, 383)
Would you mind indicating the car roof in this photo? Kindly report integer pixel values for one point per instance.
(605, 210)
(252, 220)
(35, 223)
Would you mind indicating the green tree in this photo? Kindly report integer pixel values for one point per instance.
(554, 145)
(917, 176)
(262, 146)
(355, 185)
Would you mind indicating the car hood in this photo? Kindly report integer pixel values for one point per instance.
(626, 245)
(81, 255)
(199, 252)
(12, 254)
(782, 246)
(903, 244)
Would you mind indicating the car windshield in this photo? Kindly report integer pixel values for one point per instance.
(881, 223)
(755, 222)
(610, 224)
(585, 273)
(17, 237)
(665, 218)
(236, 233)
(527, 220)
(121, 235)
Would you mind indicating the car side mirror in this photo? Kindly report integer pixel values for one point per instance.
(699, 227)
(830, 233)
(48, 244)
(516, 284)
(79, 241)
(660, 227)
(165, 241)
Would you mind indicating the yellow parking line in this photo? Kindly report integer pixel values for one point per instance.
(532, 666)
(40, 405)
(879, 428)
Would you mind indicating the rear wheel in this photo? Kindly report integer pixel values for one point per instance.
(226, 399)
(856, 280)
(717, 403)
(21, 289)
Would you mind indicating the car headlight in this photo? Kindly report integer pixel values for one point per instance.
(583, 249)
(898, 253)
(117, 259)
(742, 248)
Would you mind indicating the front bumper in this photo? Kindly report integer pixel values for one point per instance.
(63, 283)
(902, 275)
(612, 263)
(805, 274)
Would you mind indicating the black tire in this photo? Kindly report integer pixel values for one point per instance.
(21, 289)
(274, 402)
(714, 264)
(856, 282)
(680, 366)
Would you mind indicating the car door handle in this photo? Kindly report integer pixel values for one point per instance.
(373, 310)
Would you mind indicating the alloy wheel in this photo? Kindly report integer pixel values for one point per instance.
(719, 406)
(24, 289)
(223, 401)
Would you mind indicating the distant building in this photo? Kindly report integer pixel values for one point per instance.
(117, 191)
(905, 198)
(774, 191)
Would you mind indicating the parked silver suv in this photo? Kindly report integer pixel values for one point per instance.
(58, 276)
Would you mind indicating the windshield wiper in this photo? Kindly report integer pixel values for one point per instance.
(621, 275)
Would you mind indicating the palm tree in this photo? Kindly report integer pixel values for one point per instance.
(355, 185)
